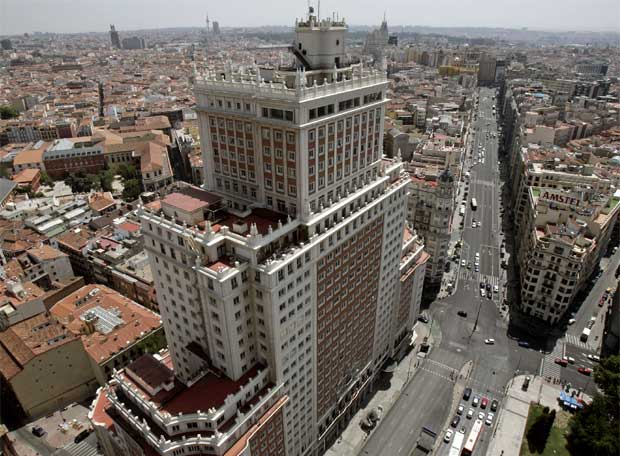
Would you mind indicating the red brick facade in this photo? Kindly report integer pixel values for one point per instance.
(348, 278)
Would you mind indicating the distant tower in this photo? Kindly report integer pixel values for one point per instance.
(216, 28)
(116, 41)
(100, 87)
(206, 37)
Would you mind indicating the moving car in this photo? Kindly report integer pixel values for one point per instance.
(584, 370)
(466, 394)
(463, 262)
(489, 342)
(561, 361)
(448, 435)
(524, 343)
(571, 321)
(482, 293)
(494, 405)
(462, 313)
(496, 289)
(489, 287)
(570, 359)
(594, 358)
(460, 409)
(423, 318)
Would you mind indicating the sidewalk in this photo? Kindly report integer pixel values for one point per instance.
(354, 437)
(512, 417)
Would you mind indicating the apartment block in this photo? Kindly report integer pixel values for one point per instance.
(43, 366)
(288, 282)
(114, 329)
(430, 207)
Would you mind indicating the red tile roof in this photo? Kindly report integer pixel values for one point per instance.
(184, 202)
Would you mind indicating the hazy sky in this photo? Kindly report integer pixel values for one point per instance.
(18, 16)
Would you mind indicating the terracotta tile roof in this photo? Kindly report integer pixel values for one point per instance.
(100, 200)
(31, 154)
(137, 320)
(45, 252)
(184, 202)
(152, 157)
(99, 415)
(74, 240)
(129, 226)
(26, 176)
(25, 340)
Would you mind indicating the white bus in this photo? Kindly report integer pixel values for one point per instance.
(474, 204)
(457, 442)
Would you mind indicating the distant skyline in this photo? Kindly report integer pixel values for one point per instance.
(63, 16)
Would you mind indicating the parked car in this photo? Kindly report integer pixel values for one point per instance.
(448, 435)
(423, 318)
(584, 370)
(462, 313)
(481, 416)
(475, 401)
(482, 293)
(488, 287)
(524, 344)
(489, 419)
(571, 321)
(484, 402)
(460, 409)
(466, 394)
(494, 405)
(489, 341)
(455, 421)
(81, 436)
(470, 414)
(496, 289)
(38, 431)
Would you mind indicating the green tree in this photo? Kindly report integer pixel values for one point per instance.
(46, 179)
(106, 178)
(127, 171)
(132, 190)
(594, 429)
(8, 112)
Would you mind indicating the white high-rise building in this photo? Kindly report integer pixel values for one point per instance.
(294, 263)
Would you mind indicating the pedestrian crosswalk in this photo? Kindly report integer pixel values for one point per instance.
(550, 368)
(574, 340)
(84, 448)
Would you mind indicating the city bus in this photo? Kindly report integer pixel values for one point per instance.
(474, 435)
(474, 204)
